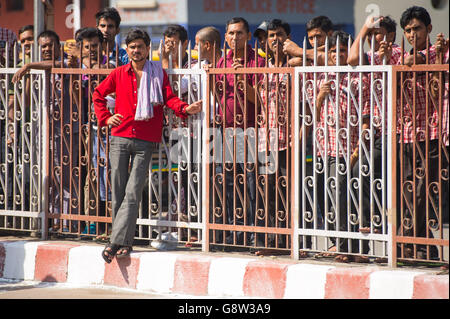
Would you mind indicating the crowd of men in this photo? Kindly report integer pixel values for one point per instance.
(96, 48)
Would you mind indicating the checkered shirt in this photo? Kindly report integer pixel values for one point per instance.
(407, 131)
(395, 59)
(7, 36)
(275, 107)
(335, 113)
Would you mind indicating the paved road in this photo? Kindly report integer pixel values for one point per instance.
(36, 290)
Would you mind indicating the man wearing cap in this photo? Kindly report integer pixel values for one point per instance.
(261, 34)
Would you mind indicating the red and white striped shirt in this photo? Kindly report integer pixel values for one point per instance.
(414, 105)
(275, 110)
(395, 59)
(7, 36)
(337, 129)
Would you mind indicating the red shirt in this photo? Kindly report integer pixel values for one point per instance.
(276, 104)
(332, 129)
(405, 124)
(233, 118)
(122, 81)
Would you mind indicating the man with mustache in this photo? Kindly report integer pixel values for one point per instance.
(142, 89)
(238, 114)
(26, 39)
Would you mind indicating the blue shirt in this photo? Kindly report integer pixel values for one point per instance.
(122, 57)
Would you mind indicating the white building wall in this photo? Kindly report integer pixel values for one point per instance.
(439, 16)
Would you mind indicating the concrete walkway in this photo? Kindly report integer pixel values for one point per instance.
(215, 274)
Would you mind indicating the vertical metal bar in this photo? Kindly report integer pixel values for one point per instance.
(298, 185)
(45, 155)
(315, 162)
(325, 155)
(384, 135)
(15, 133)
(337, 163)
(441, 144)
(76, 14)
(427, 159)
(224, 143)
(392, 166)
(401, 145)
(38, 16)
(244, 113)
(415, 147)
(205, 158)
(297, 181)
(266, 152)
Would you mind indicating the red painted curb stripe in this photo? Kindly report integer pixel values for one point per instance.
(348, 283)
(431, 287)
(191, 275)
(262, 278)
(265, 279)
(122, 272)
(51, 262)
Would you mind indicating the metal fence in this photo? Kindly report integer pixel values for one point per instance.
(249, 164)
(258, 169)
(341, 202)
(420, 180)
(22, 154)
(80, 189)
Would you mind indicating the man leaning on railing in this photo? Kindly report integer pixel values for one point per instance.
(416, 113)
(142, 88)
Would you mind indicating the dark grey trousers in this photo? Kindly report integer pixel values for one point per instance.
(130, 159)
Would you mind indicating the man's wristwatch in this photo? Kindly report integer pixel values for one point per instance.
(422, 55)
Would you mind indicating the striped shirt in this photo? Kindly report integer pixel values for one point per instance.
(275, 111)
(7, 36)
(337, 129)
(414, 94)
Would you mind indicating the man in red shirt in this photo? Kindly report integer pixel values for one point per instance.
(133, 138)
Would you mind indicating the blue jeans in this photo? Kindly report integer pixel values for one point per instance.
(102, 173)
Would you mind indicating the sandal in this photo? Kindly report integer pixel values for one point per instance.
(109, 252)
(124, 251)
(330, 252)
(102, 238)
(272, 252)
(343, 258)
(361, 259)
(351, 258)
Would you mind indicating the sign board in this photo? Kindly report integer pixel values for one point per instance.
(164, 12)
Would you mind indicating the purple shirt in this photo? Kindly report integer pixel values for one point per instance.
(231, 117)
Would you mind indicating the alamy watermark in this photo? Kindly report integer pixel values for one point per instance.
(226, 146)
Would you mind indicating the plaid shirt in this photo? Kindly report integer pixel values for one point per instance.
(395, 59)
(445, 115)
(405, 125)
(227, 99)
(328, 119)
(7, 36)
(275, 107)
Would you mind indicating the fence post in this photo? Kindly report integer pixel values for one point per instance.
(45, 145)
(392, 167)
(205, 171)
(296, 181)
